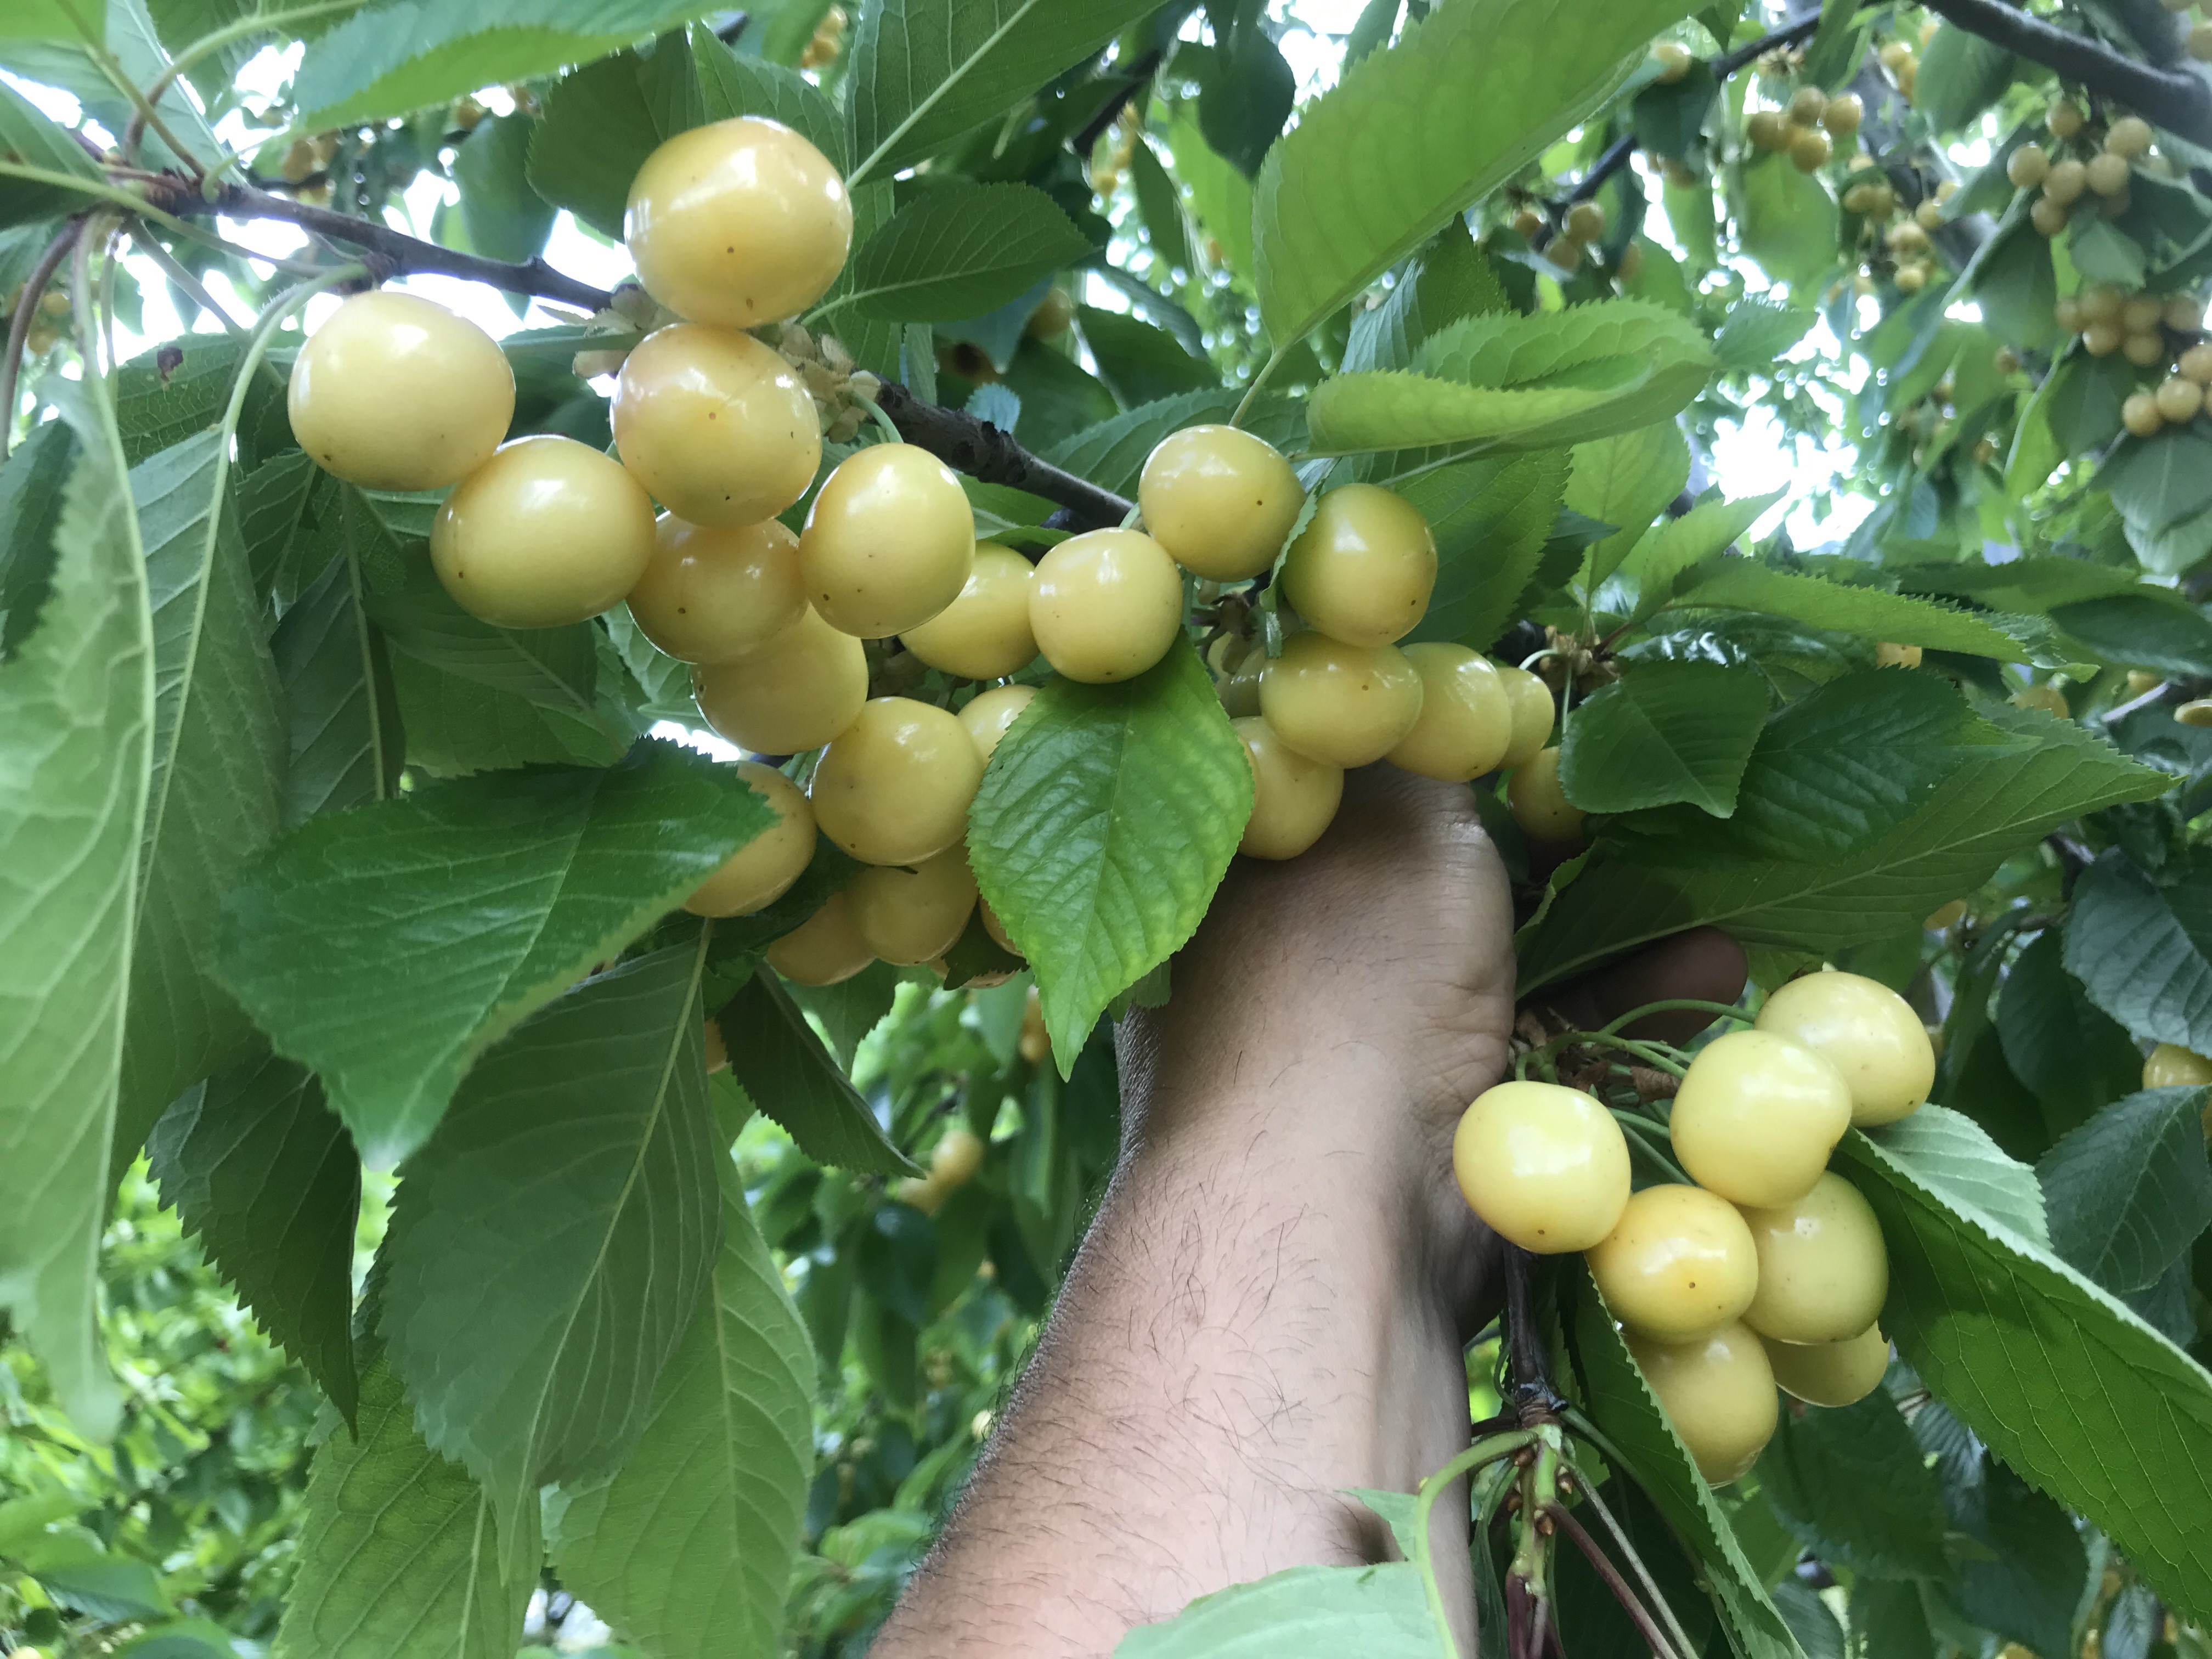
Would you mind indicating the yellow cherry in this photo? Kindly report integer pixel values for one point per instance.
(909, 915)
(547, 531)
(997, 929)
(1534, 714)
(715, 424)
(988, 714)
(798, 691)
(710, 594)
(2170, 1066)
(1540, 804)
(737, 222)
(888, 541)
(1342, 704)
(1866, 1031)
(1831, 1373)
(1106, 606)
(1219, 500)
(1757, 1116)
(1718, 1392)
(1545, 1166)
(825, 949)
(893, 787)
(762, 871)
(984, 634)
(395, 393)
(957, 1156)
(1678, 1263)
(1466, 722)
(1823, 1273)
(1294, 799)
(1363, 569)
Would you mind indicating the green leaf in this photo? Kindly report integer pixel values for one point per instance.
(2103, 253)
(1356, 186)
(341, 713)
(689, 1548)
(1449, 279)
(259, 1168)
(33, 484)
(1160, 207)
(32, 140)
(533, 1352)
(2143, 953)
(1868, 802)
(1220, 197)
(599, 125)
(1140, 364)
(1965, 74)
(1655, 566)
(1112, 454)
(455, 726)
(1787, 221)
(1872, 613)
(217, 791)
(1301, 1613)
(406, 55)
(1664, 731)
(2130, 1189)
(1490, 519)
(77, 715)
(437, 919)
(2025, 1568)
(2072, 1056)
(961, 250)
(506, 219)
(49, 19)
(1755, 334)
(1955, 1159)
(398, 1552)
(926, 71)
(181, 1638)
(1849, 1482)
(1627, 481)
(2149, 628)
(73, 1569)
(785, 1071)
(1107, 818)
(2156, 482)
(731, 85)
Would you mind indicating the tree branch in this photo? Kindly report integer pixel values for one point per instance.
(2176, 99)
(983, 451)
(1134, 79)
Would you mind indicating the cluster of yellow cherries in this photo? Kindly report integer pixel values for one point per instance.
(1770, 1267)
(2080, 169)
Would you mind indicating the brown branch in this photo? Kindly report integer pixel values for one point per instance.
(2176, 99)
(19, 326)
(983, 451)
(1132, 82)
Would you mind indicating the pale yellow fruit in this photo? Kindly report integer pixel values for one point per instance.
(889, 541)
(737, 222)
(548, 531)
(2064, 183)
(987, 715)
(2130, 138)
(2101, 303)
(1363, 569)
(396, 392)
(1832, 1373)
(715, 424)
(1342, 704)
(1823, 1272)
(893, 787)
(1219, 500)
(2170, 1066)
(2047, 216)
(762, 871)
(825, 949)
(1809, 150)
(2048, 698)
(1545, 1166)
(1807, 105)
(2102, 340)
(957, 1158)
(1678, 1263)
(1757, 1116)
(2065, 118)
(1106, 606)
(2028, 165)
(711, 595)
(907, 915)
(1864, 1029)
(1718, 1392)
(1294, 799)
(2178, 399)
(1586, 222)
(1466, 722)
(798, 691)
(2141, 314)
(1844, 113)
(1944, 916)
(984, 634)
(2107, 173)
(2144, 351)
(2197, 362)
(1539, 803)
(997, 929)
(1534, 714)
(1889, 655)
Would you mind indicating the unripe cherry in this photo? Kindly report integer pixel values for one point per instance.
(957, 1156)
(2064, 183)
(910, 915)
(1757, 1116)
(737, 222)
(2107, 173)
(2196, 363)
(1823, 1272)
(1106, 606)
(1844, 113)
(1678, 1263)
(711, 595)
(984, 634)
(715, 424)
(762, 871)
(1219, 500)
(2179, 400)
(796, 692)
(2170, 1066)
(1346, 705)
(889, 541)
(1718, 1392)
(393, 392)
(1539, 802)
(894, 786)
(1864, 1029)
(1534, 713)
(988, 713)
(1831, 1373)
(2128, 136)
(2027, 166)
(546, 532)
(1294, 799)
(1545, 1166)
(1466, 722)
(825, 949)
(1363, 569)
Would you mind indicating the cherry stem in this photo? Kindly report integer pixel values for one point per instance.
(1631, 1603)
(1620, 1541)
(1644, 1138)
(1657, 1055)
(1492, 1449)
(1691, 1004)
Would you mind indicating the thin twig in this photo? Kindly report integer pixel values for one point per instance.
(2176, 99)
(983, 451)
(19, 326)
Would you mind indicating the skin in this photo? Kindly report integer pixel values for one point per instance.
(1831, 1373)
(1823, 1272)
(1544, 1166)
(395, 393)
(546, 532)
(984, 634)
(762, 871)
(717, 426)
(1294, 799)
(712, 595)
(1866, 1031)
(1466, 722)
(1343, 705)
(989, 713)
(797, 692)
(1106, 606)
(1678, 1264)
(888, 541)
(1271, 1303)
(906, 916)
(1756, 1118)
(1718, 1392)
(826, 949)
(1363, 570)
(894, 786)
(1219, 500)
